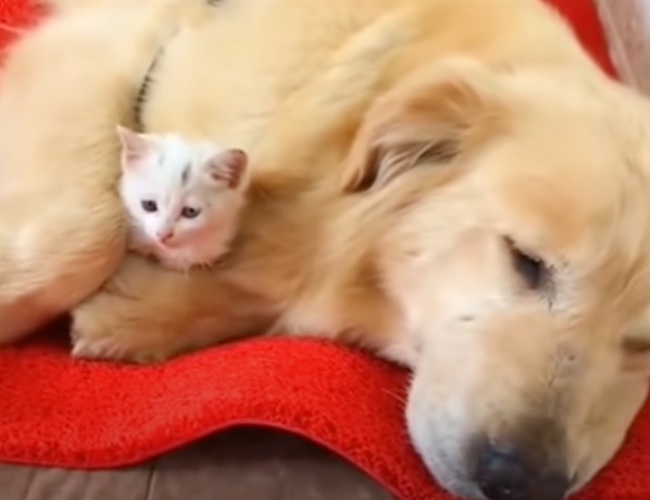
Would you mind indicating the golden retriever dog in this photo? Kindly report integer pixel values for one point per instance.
(452, 184)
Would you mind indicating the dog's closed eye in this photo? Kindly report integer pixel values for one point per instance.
(532, 270)
(636, 353)
(636, 345)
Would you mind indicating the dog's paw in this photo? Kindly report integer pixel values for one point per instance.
(107, 350)
(113, 348)
(145, 314)
(109, 326)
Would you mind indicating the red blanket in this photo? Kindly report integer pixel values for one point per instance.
(59, 412)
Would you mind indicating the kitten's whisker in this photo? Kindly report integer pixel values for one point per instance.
(399, 397)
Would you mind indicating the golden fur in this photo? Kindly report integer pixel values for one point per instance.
(464, 193)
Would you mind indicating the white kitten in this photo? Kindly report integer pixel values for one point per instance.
(184, 198)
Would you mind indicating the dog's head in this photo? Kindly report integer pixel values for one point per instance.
(519, 254)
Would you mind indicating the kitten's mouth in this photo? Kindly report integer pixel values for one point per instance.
(169, 245)
(164, 243)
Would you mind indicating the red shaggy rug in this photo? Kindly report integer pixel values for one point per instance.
(55, 411)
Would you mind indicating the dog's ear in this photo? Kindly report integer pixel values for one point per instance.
(433, 117)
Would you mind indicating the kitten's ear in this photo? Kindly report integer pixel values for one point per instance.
(228, 166)
(135, 147)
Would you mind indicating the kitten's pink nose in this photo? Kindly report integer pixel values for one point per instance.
(165, 236)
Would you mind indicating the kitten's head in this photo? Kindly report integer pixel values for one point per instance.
(180, 194)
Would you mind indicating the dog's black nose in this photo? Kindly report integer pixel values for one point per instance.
(508, 476)
(501, 476)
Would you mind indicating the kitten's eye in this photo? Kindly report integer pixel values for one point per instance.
(190, 212)
(533, 270)
(149, 205)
